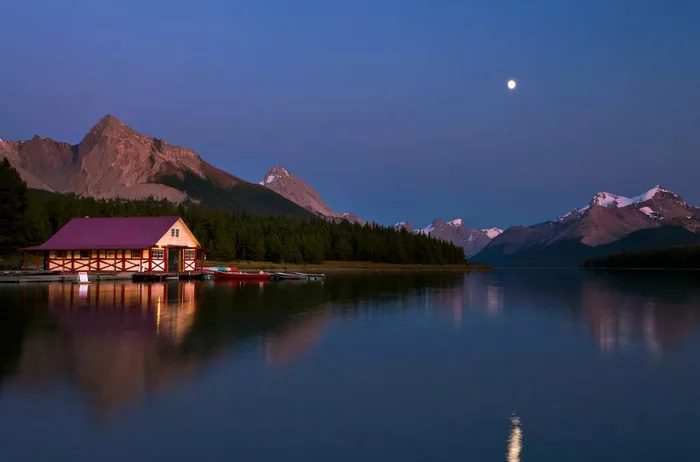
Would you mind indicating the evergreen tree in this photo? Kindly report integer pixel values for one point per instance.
(226, 235)
(13, 206)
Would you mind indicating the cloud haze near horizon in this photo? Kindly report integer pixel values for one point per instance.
(394, 110)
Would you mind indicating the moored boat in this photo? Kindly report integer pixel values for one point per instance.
(294, 276)
(310, 276)
(239, 276)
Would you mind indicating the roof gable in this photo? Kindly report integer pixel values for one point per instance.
(109, 233)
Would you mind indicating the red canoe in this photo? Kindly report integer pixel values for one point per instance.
(238, 276)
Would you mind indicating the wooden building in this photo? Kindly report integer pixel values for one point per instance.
(120, 244)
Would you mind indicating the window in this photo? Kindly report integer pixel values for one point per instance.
(110, 254)
(174, 232)
(189, 254)
(84, 254)
(60, 254)
(135, 254)
(158, 254)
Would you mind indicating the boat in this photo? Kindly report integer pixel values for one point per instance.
(240, 276)
(311, 276)
(293, 276)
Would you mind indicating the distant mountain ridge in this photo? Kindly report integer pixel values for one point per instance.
(113, 160)
(607, 219)
(290, 186)
(472, 240)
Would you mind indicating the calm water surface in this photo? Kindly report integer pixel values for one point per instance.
(529, 365)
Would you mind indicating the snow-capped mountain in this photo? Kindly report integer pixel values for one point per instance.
(404, 225)
(471, 240)
(606, 219)
(301, 193)
(352, 218)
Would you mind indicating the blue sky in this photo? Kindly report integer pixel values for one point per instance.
(395, 110)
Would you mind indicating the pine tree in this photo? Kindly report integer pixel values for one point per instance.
(13, 205)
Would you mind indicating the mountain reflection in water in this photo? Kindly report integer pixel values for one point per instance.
(116, 343)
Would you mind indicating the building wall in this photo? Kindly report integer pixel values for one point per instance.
(183, 237)
(118, 260)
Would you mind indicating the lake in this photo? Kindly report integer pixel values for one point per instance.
(512, 365)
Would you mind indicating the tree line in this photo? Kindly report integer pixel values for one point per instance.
(682, 257)
(29, 217)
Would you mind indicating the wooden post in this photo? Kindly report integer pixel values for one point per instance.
(141, 260)
(72, 260)
(98, 259)
(165, 259)
(150, 260)
(63, 262)
(124, 259)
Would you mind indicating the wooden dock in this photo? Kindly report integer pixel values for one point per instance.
(18, 277)
(160, 276)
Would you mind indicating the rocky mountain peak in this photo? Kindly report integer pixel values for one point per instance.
(109, 121)
(290, 186)
(275, 174)
(493, 232)
(352, 218)
(606, 199)
(111, 125)
(471, 240)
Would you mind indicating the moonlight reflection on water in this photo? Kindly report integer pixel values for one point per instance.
(515, 440)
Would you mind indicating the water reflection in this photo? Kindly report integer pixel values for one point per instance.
(113, 341)
(116, 342)
(515, 440)
(625, 313)
(289, 343)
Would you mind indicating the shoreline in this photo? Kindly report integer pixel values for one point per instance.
(340, 266)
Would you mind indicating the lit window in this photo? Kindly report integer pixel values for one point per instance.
(135, 254)
(110, 254)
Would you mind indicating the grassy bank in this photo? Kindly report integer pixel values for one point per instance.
(345, 265)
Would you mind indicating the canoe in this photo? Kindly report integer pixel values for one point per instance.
(294, 276)
(238, 276)
(311, 276)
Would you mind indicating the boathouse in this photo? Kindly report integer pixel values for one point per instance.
(120, 244)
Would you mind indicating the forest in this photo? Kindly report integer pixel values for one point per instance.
(29, 217)
(681, 257)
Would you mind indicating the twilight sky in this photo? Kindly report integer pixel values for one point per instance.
(392, 109)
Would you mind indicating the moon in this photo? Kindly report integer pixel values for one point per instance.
(512, 84)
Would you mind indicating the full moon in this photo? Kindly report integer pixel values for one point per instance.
(512, 84)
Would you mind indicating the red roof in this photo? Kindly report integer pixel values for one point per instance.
(114, 233)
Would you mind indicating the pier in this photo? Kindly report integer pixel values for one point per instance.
(18, 277)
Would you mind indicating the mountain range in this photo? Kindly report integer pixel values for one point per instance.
(609, 223)
(113, 160)
(472, 240)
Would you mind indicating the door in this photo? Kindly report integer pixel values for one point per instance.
(173, 260)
